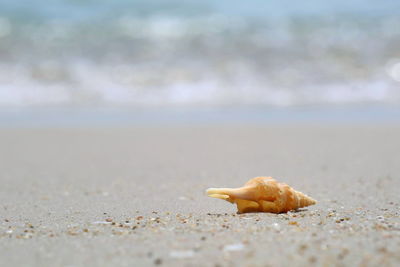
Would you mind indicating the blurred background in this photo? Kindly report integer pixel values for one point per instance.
(133, 55)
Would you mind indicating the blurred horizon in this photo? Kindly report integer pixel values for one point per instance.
(168, 54)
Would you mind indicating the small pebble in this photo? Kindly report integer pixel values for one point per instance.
(380, 218)
(234, 247)
(276, 226)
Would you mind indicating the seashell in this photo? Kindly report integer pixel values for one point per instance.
(263, 194)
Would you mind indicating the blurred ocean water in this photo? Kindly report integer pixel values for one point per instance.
(68, 53)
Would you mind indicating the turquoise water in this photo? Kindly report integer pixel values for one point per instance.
(198, 54)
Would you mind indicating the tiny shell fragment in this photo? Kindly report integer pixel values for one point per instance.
(263, 194)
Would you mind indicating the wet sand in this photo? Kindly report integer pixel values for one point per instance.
(135, 196)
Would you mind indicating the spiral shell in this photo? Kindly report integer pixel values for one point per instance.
(263, 194)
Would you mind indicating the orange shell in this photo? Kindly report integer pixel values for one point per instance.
(263, 194)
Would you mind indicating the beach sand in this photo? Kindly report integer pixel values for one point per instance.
(135, 196)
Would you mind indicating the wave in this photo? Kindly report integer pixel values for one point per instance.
(197, 55)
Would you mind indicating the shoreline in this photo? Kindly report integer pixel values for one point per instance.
(80, 117)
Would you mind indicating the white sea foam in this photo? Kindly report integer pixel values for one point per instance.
(113, 85)
(201, 55)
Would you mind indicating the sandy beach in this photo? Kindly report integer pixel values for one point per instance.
(135, 196)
